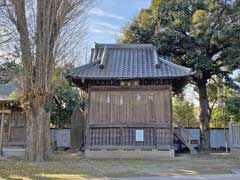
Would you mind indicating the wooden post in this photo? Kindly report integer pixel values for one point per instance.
(1, 133)
(230, 131)
(121, 136)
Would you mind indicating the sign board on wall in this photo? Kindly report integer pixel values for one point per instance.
(139, 135)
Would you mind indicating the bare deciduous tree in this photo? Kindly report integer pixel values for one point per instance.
(46, 32)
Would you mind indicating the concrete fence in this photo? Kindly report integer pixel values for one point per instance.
(217, 137)
(61, 137)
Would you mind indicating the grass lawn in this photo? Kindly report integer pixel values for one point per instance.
(70, 166)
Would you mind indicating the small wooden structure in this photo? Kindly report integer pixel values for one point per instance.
(13, 122)
(129, 111)
(77, 128)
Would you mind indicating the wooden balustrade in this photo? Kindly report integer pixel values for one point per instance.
(114, 137)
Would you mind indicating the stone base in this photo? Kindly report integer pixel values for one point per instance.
(235, 152)
(130, 154)
(13, 152)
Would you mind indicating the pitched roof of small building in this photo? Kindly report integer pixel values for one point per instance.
(128, 61)
(6, 90)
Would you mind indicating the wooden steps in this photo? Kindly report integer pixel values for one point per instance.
(184, 136)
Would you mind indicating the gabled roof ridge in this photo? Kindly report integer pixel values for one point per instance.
(123, 46)
(7, 89)
(127, 61)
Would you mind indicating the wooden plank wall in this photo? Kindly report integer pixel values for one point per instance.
(5, 128)
(116, 114)
(15, 129)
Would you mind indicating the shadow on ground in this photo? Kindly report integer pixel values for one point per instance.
(71, 166)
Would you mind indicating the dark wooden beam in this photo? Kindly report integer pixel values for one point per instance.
(141, 88)
(129, 125)
(1, 133)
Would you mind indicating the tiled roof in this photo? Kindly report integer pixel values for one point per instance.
(6, 90)
(127, 61)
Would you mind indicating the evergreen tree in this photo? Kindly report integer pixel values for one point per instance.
(200, 34)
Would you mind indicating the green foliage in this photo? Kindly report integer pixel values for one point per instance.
(224, 102)
(66, 99)
(213, 91)
(183, 111)
(217, 91)
(233, 108)
(13, 96)
(11, 66)
(233, 102)
(136, 32)
(3, 80)
(219, 117)
(179, 86)
(9, 71)
(202, 35)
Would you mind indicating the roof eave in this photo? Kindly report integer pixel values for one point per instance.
(128, 78)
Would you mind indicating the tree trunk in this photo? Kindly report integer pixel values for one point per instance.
(204, 116)
(42, 52)
(38, 131)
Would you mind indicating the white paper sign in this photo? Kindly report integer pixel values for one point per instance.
(139, 135)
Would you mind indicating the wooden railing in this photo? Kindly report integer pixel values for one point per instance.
(184, 135)
(125, 136)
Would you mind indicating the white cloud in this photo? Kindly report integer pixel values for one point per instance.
(97, 30)
(107, 26)
(100, 12)
(103, 31)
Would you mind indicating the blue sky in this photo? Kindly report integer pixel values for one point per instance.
(108, 16)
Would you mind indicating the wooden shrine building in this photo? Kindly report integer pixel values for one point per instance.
(129, 109)
(12, 119)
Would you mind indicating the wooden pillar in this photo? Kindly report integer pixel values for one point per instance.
(1, 132)
(230, 131)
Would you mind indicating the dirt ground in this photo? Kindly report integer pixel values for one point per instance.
(72, 166)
